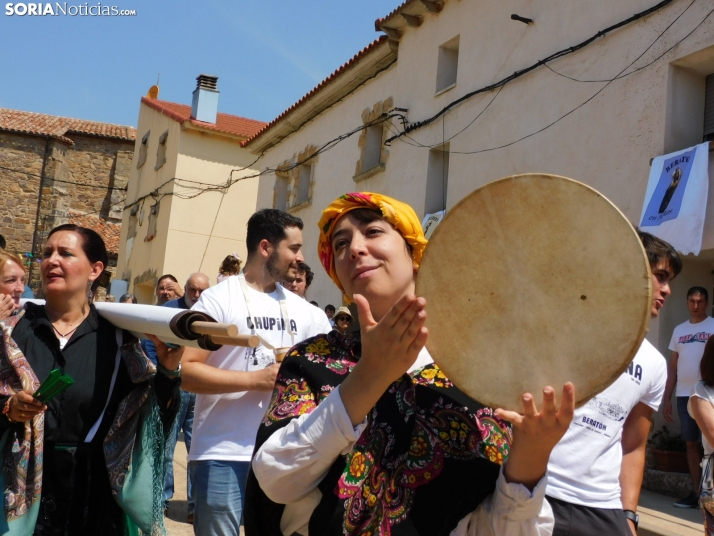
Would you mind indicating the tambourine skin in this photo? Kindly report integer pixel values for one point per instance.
(534, 280)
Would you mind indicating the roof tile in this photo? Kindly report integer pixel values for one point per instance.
(58, 127)
(230, 124)
(110, 232)
(345, 67)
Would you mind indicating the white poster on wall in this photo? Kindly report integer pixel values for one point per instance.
(676, 198)
(430, 222)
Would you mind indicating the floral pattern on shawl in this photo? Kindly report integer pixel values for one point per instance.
(22, 467)
(427, 446)
(378, 484)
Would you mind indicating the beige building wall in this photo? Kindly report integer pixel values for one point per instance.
(207, 228)
(607, 143)
(190, 234)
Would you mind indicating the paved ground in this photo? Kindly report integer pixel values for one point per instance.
(659, 517)
(176, 521)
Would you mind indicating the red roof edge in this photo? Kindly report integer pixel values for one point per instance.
(156, 106)
(331, 78)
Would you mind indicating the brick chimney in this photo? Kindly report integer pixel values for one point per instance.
(204, 106)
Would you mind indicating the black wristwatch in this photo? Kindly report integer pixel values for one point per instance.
(632, 516)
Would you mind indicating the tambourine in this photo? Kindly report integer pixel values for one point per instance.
(534, 280)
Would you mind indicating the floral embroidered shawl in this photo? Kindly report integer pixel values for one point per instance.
(428, 457)
(137, 417)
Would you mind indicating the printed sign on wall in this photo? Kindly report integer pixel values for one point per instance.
(676, 199)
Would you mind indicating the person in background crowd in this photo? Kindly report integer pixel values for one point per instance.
(687, 345)
(27, 292)
(313, 302)
(128, 298)
(343, 319)
(230, 266)
(302, 281)
(330, 312)
(195, 285)
(12, 283)
(192, 290)
(234, 384)
(595, 472)
(69, 467)
(701, 409)
(167, 288)
(110, 298)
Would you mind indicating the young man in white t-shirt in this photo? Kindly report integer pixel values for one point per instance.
(687, 345)
(234, 384)
(595, 472)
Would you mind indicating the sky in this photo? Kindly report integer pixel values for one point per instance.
(266, 53)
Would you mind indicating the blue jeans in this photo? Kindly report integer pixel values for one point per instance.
(185, 423)
(219, 492)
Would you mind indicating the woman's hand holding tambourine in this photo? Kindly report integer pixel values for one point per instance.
(535, 434)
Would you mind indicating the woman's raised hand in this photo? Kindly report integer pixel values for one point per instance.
(7, 306)
(392, 344)
(389, 348)
(535, 434)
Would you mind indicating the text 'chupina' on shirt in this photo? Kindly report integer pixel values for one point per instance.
(225, 425)
(688, 341)
(584, 467)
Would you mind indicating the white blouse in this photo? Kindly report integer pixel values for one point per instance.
(292, 462)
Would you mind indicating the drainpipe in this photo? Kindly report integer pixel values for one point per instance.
(35, 234)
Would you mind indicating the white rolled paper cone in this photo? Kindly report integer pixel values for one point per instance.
(139, 320)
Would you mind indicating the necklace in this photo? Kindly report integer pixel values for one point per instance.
(63, 336)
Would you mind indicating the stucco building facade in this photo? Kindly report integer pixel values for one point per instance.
(191, 191)
(598, 114)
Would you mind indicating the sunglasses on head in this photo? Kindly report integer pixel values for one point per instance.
(345, 318)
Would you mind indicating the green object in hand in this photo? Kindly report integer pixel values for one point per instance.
(54, 384)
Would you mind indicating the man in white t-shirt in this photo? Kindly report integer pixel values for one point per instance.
(687, 345)
(595, 472)
(234, 384)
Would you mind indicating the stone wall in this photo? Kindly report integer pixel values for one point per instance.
(100, 166)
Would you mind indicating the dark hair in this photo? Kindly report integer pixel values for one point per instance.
(706, 365)
(368, 215)
(269, 224)
(658, 250)
(698, 290)
(3, 243)
(330, 307)
(309, 274)
(128, 297)
(92, 245)
(314, 303)
(166, 276)
(230, 265)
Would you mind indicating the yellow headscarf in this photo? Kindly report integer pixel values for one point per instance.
(399, 214)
